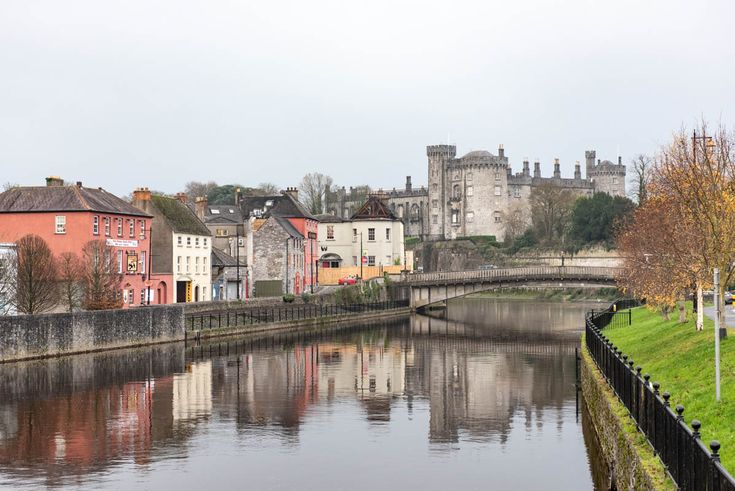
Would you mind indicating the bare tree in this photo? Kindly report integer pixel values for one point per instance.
(641, 166)
(101, 279)
(195, 189)
(9, 185)
(70, 280)
(8, 262)
(36, 273)
(515, 221)
(313, 190)
(267, 189)
(551, 210)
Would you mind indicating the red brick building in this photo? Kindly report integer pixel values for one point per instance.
(67, 217)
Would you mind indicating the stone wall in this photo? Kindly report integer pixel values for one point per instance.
(630, 460)
(37, 336)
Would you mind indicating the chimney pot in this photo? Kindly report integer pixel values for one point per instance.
(54, 181)
(79, 184)
(141, 194)
(182, 197)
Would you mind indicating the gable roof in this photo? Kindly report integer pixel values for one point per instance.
(222, 259)
(329, 218)
(180, 217)
(283, 205)
(288, 227)
(30, 199)
(374, 209)
(224, 214)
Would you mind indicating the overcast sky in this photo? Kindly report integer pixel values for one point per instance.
(156, 93)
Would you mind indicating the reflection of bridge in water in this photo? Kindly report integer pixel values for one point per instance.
(429, 288)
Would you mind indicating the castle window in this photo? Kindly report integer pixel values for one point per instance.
(498, 190)
(456, 192)
(615, 180)
(435, 187)
(435, 203)
(516, 192)
(469, 190)
(455, 217)
(497, 217)
(497, 176)
(400, 211)
(434, 219)
(469, 176)
(457, 176)
(470, 216)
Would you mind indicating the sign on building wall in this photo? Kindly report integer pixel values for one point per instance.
(132, 263)
(189, 292)
(122, 243)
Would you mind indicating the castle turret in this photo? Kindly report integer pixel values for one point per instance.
(537, 169)
(589, 157)
(408, 184)
(557, 171)
(526, 168)
(440, 156)
(577, 172)
(501, 151)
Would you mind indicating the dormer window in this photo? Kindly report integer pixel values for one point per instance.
(214, 211)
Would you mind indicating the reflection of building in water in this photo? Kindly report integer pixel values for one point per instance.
(192, 398)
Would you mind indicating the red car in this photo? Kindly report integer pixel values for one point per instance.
(347, 280)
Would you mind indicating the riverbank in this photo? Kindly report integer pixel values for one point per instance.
(628, 455)
(682, 361)
(606, 295)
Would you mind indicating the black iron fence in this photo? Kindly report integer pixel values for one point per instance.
(262, 315)
(688, 460)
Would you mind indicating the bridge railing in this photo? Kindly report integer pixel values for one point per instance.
(527, 272)
(691, 464)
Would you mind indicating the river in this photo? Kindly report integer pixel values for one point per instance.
(483, 398)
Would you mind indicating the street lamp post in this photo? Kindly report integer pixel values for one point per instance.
(361, 256)
(717, 334)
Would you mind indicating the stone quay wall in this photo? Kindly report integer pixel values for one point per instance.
(45, 335)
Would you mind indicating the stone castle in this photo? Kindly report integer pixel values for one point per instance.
(472, 194)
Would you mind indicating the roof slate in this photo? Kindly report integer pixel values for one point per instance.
(288, 227)
(284, 205)
(222, 259)
(64, 198)
(179, 216)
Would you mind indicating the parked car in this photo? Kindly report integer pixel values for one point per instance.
(348, 280)
(727, 297)
(485, 267)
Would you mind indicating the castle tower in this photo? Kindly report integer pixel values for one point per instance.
(577, 172)
(608, 177)
(526, 168)
(589, 157)
(439, 157)
(557, 170)
(537, 169)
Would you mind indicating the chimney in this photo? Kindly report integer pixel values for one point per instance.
(598, 161)
(620, 160)
(408, 184)
(182, 197)
(293, 192)
(79, 184)
(557, 172)
(501, 151)
(577, 171)
(141, 194)
(526, 168)
(54, 181)
(238, 198)
(200, 205)
(537, 169)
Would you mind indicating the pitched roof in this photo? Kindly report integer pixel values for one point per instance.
(288, 227)
(329, 218)
(222, 259)
(225, 214)
(64, 198)
(283, 205)
(180, 217)
(374, 209)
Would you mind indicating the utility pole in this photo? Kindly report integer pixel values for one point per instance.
(717, 334)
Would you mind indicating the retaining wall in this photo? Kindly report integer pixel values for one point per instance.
(627, 454)
(38, 336)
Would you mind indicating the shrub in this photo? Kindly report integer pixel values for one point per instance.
(289, 298)
(307, 297)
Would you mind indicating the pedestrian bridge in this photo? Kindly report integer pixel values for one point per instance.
(432, 288)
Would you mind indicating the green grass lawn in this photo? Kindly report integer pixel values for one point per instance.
(682, 361)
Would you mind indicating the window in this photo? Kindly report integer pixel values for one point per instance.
(179, 240)
(107, 226)
(498, 190)
(387, 234)
(470, 216)
(615, 180)
(400, 211)
(371, 260)
(61, 224)
(456, 193)
(204, 291)
(354, 235)
(119, 227)
(188, 263)
(516, 192)
(142, 296)
(330, 232)
(95, 225)
(497, 217)
(371, 234)
(434, 219)
(142, 262)
(205, 242)
(354, 260)
(214, 211)
(435, 187)
(497, 176)
(221, 232)
(435, 203)
(131, 296)
(469, 176)
(196, 242)
(455, 217)
(119, 262)
(178, 263)
(204, 265)
(196, 265)
(131, 227)
(188, 242)
(470, 191)
(142, 229)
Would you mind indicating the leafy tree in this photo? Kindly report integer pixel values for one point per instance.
(313, 191)
(594, 218)
(36, 272)
(101, 277)
(224, 195)
(525, 240)
(70, 280)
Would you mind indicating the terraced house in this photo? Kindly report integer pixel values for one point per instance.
(182, 249)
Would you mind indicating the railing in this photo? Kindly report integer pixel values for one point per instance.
(531, 272)
(687, 459)
(263, 315)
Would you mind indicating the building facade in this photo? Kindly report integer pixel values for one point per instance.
(182, 249)
(275, 253)
(471, 195)
(68, 217)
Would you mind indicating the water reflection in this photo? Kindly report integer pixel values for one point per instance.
(497, 392)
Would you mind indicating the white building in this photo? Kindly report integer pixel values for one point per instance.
(374, 229)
